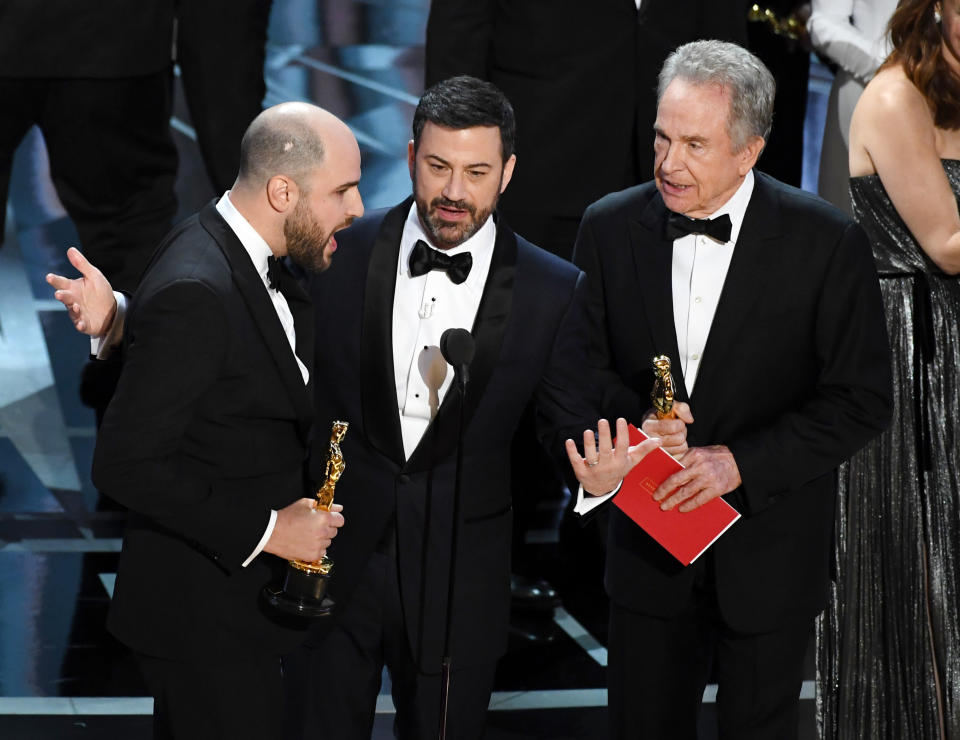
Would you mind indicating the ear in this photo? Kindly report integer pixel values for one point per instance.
(748, 156)
(507, 172)
(282, 193)
(411, 157)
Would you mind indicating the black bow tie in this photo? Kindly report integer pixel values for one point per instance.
(717, 228)
(275, 273)
(423, 259)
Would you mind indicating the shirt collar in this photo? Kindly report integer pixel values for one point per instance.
(480, 245)
(736, 206)
(255, 245)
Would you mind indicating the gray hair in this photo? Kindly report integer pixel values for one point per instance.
(734, 68)
(280, 141)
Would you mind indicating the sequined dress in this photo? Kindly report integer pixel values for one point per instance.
(888, 645)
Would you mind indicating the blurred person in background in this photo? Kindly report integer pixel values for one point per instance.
(852, 34)
(222, 76)
(99, 91)
(777, 35)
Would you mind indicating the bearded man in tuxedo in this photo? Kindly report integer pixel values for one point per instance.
(206, 437)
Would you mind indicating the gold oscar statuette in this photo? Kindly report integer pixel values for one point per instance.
(305, 584)
(663, 388)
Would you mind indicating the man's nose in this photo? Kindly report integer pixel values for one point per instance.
(355, 207)
(671, 161)
(455, 188)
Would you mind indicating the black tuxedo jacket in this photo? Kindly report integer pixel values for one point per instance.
(206, 433)
(795, 377)
(582, 78)
(530, 343)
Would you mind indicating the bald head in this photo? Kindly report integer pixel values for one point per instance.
(287, 139)
(299, 181)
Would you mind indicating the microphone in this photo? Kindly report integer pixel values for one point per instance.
(458, 347)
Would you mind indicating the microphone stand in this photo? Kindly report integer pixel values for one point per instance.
(446, 666)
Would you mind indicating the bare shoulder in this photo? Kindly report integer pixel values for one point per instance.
(891, 96)
(892, 114)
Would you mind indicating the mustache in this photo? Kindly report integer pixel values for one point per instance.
(347, 222)
(458, 204)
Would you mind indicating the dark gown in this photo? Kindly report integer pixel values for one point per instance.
(888, 647)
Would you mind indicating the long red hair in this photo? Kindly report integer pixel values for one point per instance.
(916, 39)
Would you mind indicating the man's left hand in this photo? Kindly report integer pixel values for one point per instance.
(710, 472)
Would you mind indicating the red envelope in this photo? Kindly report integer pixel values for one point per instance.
(686, 535)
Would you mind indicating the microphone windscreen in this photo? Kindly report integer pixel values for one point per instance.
(457, 347)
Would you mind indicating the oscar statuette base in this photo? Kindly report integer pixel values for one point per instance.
(303, 593)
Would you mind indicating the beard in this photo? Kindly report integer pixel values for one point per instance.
(307, 239)
(446, 234)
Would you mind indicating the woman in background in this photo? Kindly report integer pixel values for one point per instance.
(852, 35)
(889, 644)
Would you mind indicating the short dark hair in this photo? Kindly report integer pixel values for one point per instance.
(464, 102)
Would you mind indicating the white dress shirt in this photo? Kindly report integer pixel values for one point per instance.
(699, 268)
(423, 308)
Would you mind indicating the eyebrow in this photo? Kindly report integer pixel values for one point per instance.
(700, 139)
(441, 160)
(347, 185)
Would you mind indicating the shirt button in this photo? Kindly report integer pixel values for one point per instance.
(695, 357)
(698, 299)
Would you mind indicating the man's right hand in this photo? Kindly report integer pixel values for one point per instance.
(303, 532)
(605, 464)
(672, 432)
(89, 298)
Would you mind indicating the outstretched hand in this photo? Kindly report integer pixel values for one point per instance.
(88, 298)
(604, 464)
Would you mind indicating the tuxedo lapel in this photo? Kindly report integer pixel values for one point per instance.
(746, 281)
(254, 293)
(302, 309)
(381, 418)
(296, 291)
(488, 329)
(653, 261)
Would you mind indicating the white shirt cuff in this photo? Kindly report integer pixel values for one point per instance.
(102, 347)
(587, 502)
(263, 540)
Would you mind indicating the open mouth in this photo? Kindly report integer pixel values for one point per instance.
(674, 188)
(448, 213)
